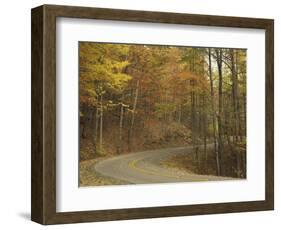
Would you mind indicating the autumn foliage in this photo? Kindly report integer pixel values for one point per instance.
(140, 97)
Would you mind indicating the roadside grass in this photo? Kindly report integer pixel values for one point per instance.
(89, 177)
(205, 164)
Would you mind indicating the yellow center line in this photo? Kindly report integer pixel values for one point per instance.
(133, 165)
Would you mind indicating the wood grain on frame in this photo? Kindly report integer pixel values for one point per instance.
(43, 188)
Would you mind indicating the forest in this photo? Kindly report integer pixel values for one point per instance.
(135, 97)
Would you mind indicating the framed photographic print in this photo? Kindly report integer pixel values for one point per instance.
(141, 114)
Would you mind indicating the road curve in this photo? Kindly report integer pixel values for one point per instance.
(144, 167)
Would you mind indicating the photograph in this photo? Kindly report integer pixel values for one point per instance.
(161, 114)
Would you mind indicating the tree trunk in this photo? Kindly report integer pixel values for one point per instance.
(101, 120)
(228, 131)
(213, 112)
(133, 116)
(193, 122)
(119, 148)
(220, 131)
(83, 130)
(236, 109)
(205, 128)
(96, 125)
(234, 94)
(238, 96)
(245, 114)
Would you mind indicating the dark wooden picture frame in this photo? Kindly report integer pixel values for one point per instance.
(43, 189)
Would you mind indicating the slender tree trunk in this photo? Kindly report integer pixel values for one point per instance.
(197, 130)
(238, 96)
(83, 130)
(236, 110)
(213, 112)
(245, 114)
(83, 125)
(205, 128)
(193, 122)
(119, 148)
(101, 120)
(234, 94)
(96, 125)
(133, 116)
(83, 122)
(193, 112)
(228, 130)
(220, 131)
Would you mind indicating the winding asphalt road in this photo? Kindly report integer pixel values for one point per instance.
(145, 167)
